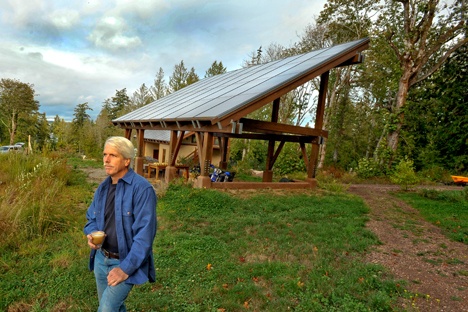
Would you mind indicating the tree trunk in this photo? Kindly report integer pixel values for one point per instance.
(13, 128)
(400, 100)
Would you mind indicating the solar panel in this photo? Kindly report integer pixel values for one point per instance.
(218, 96)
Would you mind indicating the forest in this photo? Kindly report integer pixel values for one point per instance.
(406, 101)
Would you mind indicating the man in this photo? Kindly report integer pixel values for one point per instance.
(124, 207)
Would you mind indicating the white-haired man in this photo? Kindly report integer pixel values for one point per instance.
(124, 207)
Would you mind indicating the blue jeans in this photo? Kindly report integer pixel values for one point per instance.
(111, 298)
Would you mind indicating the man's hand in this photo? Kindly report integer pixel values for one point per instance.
(90, 242)
(116, 276)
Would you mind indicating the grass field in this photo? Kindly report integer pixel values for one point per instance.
(265, 251)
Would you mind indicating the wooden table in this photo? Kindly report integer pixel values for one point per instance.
(158, 167)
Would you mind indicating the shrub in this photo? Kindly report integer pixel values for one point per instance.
(369, 168)
(404, 174)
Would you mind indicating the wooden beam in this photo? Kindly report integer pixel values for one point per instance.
(207, 152)
(278, 151)
(357, 59)
(276, 137)
(312, 166)
(251, 125)
(175, 148)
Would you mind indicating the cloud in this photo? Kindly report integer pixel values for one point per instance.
(64, 19)
(78, 51)
(110, 33)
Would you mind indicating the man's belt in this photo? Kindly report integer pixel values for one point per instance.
(108, 254)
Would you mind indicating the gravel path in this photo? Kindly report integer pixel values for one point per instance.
(416, 251)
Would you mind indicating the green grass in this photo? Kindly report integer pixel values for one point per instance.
(266, 253)
(269, 251)
(445, 209)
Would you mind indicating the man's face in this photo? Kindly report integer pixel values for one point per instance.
(114, 164)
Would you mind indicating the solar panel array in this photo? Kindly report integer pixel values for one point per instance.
(217, 96)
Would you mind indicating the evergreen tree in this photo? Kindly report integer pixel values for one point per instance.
(159, 88)
(215, 69)
(179, 77)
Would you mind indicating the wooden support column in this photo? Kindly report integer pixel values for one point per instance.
(224, 146)
(139, 159)
(128, 134)
(270, 160)
(312, 167)
(206, 154)
(174, 147)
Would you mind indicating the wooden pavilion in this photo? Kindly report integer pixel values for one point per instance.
(216, 107)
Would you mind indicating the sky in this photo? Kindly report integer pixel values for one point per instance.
(77, 51)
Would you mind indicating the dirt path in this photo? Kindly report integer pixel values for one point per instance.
(416, 251)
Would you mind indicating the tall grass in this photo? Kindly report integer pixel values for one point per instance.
(33, 197)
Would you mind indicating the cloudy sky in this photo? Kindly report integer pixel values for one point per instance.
(76, 51)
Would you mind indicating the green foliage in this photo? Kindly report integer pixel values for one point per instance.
(181, 77)
(446, 209)
(435, 174)
(404, 174)
(436, 125)
(290, 160)
(215, 69)
(368, 168)
(16, 103)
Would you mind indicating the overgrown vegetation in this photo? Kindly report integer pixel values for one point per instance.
(37, 197)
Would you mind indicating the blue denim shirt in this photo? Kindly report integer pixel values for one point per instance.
(135, 221)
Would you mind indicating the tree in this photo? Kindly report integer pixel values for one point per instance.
(118, 105)
(159, 87)
(16, 101)
(141, 97)
(79, 122)
(215, 69)
(192, 77)
(422, 38)
(435, 132)
(179, 77)
(81, 115)
(60, 133)
(341, 21)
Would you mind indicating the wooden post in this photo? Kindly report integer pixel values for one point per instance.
(312, 167)
(223, 145)
(206, 154)
(268, 173)
(171, 170)
(139, 159)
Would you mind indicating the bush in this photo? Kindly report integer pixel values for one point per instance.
(404, 174)
(289, 160)
(369, 168)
